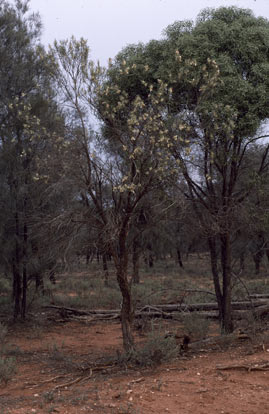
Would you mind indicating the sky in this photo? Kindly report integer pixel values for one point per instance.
(110, 25)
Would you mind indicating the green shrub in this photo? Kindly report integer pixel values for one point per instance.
(5, 285)
(3, 334)
(155, 350)
(195, 325)
(7, 369)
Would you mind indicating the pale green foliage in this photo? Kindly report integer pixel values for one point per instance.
(7, 365)
(3, 334)
(156, 350)
(29, 126)
(195, 326)
(144, 129)
(7, 369)
(138, 129)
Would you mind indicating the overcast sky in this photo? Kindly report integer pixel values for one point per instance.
(109, 25)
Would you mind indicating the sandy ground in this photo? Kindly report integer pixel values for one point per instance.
(64, 368)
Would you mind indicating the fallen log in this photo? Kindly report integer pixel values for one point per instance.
(196, 307)
(259, 296)
(261, 308)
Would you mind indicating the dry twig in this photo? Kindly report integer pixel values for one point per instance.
(264, 366)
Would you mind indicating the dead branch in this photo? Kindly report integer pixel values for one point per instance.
(83, 377)
(46, 381)
(257, 367)
(67, 384)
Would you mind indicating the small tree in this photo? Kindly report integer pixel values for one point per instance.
(128, 160)
(28, 119)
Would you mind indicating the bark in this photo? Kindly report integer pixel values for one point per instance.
(242, 261)
(120, 257)
(226, 322)
(24, 272)
(16, 289)
(215, 273)
(105, 268)
(136, 276)
(16, 272)
(151, 261)
(257, 257)
(39, 282)
(127, 311)
(179, 258)
(224, 297)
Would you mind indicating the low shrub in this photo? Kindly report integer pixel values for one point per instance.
(195, 325)
(155, 350)
(7, 369)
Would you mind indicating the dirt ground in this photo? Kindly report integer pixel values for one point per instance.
(64, 368)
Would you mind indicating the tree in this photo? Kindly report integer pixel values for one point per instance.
(129, 159)
(28, 119)
(228, 49)
(224, 127)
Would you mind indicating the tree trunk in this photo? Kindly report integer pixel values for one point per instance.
(120, 257)
(16, 289)
(39, 282)
(226, 323)
(242, 261)
(105, 268)
(257, 257)
(136, 276)
(16, 272)
(24, 272)
(214, 269)
(127, 311)
(179, 258)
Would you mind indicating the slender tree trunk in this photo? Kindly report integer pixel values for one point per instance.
(16, 272)
(127, 310)
(136, 276)
(105, 268)
(24, 292)
(24, 272)
(227, 324)
(88, 257)
(257, 257)
(215, 273)
(242, 261)
(127, 317)
(39, 282)
(179, 260)
(16, 288)
(267, 253)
